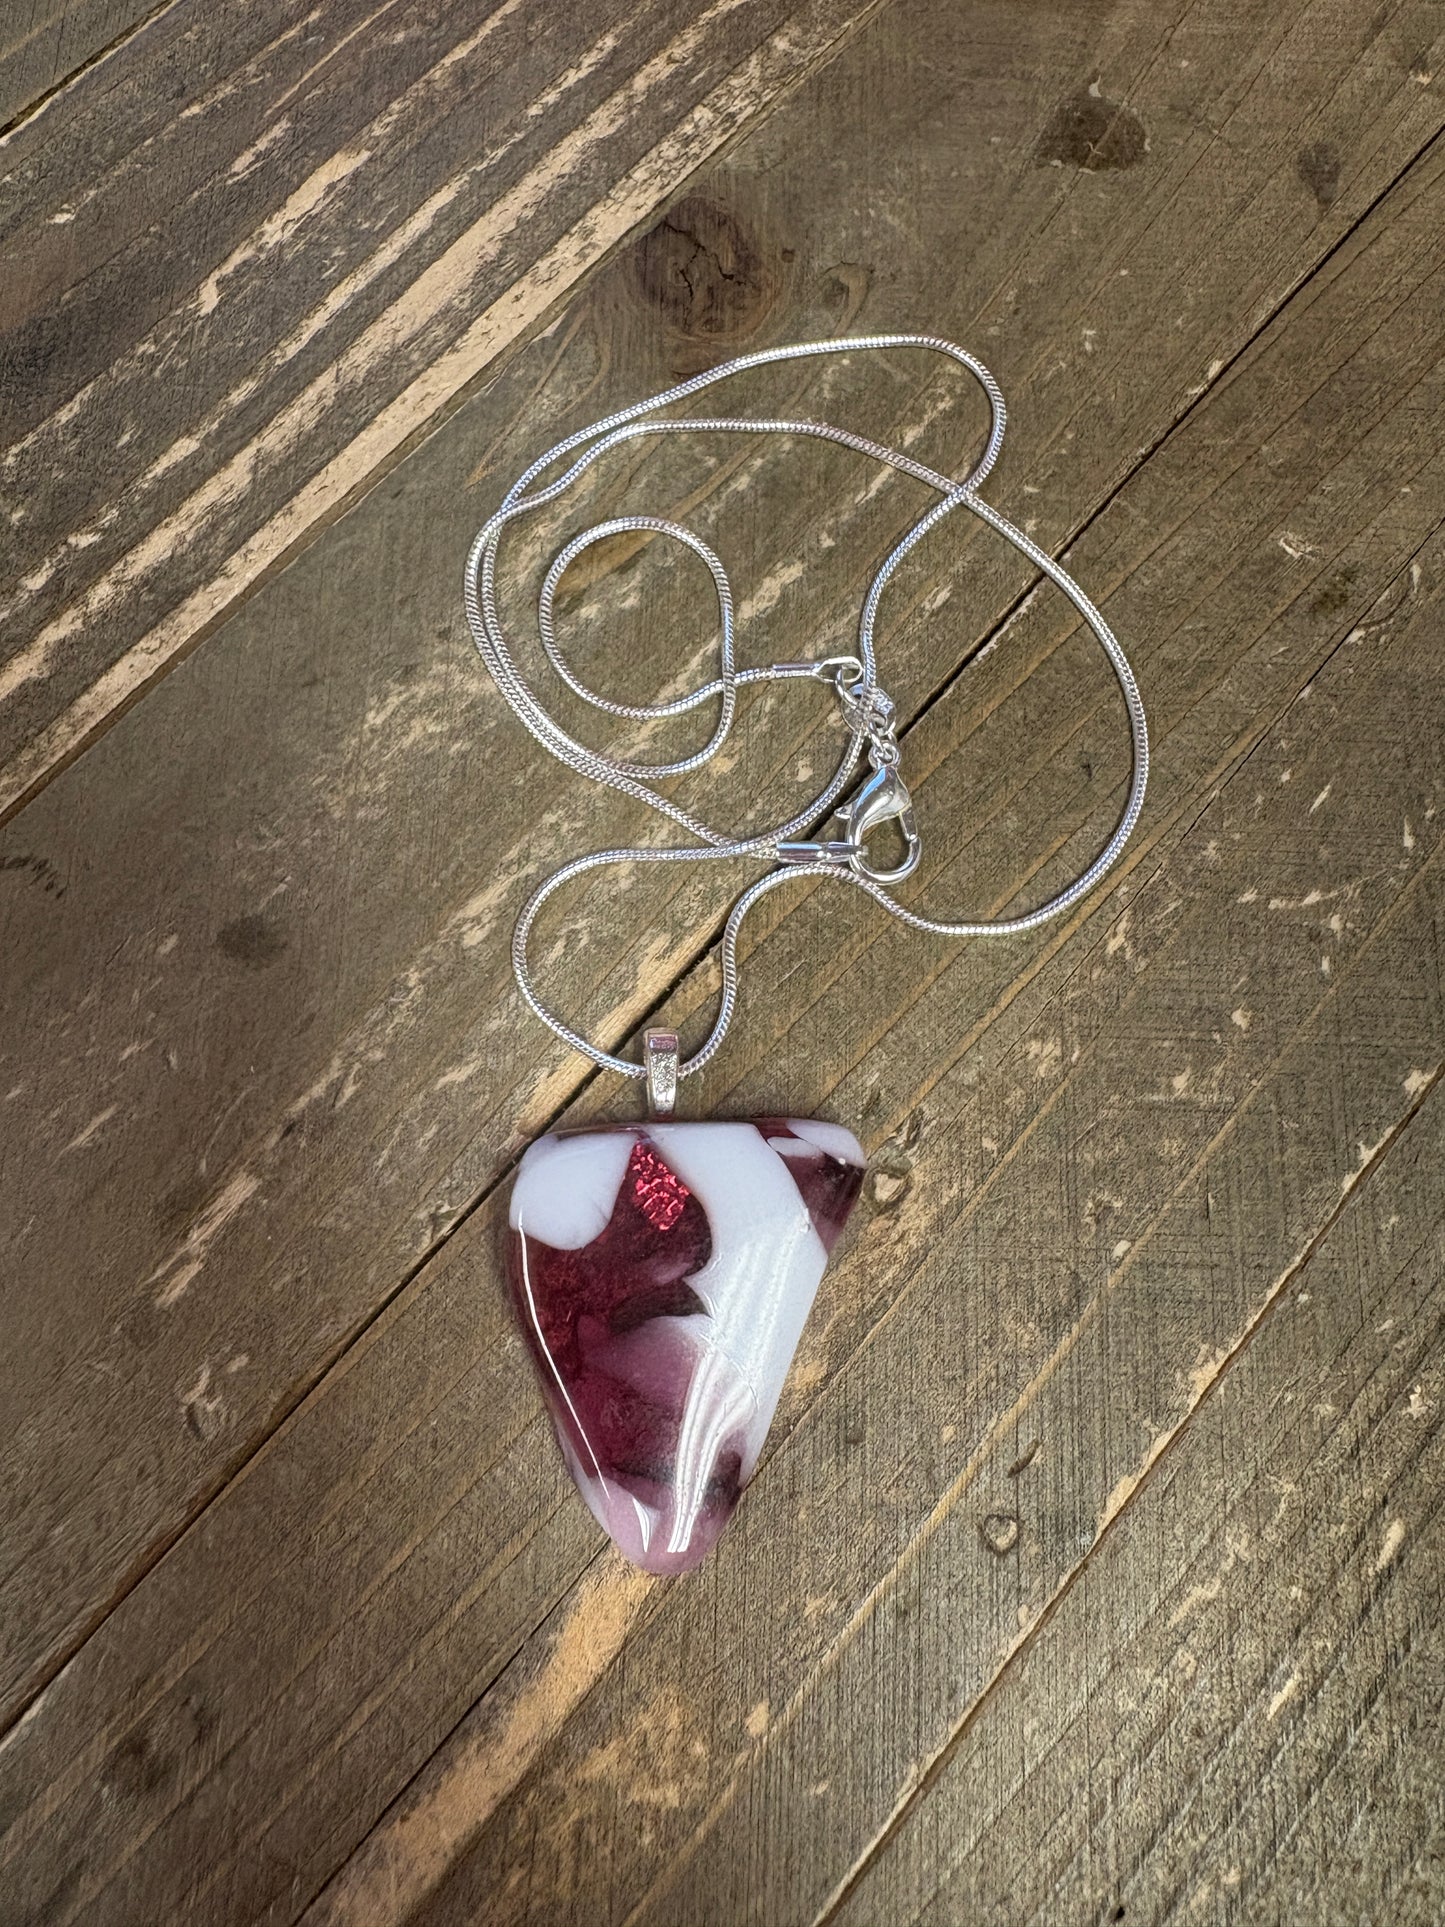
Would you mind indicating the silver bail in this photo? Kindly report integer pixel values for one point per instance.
(659, 1058)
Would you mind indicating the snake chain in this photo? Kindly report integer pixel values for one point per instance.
(868, 711)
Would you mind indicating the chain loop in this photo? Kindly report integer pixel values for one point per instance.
(868, 711)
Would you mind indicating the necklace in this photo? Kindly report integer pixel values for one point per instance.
(662, 1271)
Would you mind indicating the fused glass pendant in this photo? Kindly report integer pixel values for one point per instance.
(663, 1273)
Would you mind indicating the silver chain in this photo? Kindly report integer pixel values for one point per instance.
(868, 712)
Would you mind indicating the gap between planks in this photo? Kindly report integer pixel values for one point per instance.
(1203, 797)
(1119, 1500)
(33, 109)
(572, 1608)
(1161, 1448)
(1011, 1670)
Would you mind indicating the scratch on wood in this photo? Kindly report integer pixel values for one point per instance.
(1045, 1055)
(1236, 1553)
(1312, 897)
(1286, 1692)
(184, 1265)
(1394, 1539)
(659, 1758)
(769, 593)
(302, 202)
(1296, 546)
(204, 1410)
(97, 1123)
(1198, 1382)
(345, 41)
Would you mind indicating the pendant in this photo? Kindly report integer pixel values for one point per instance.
(663, 1273)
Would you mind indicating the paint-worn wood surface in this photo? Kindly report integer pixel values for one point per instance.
(1093, 1569)
(43, 43)
(263, 248)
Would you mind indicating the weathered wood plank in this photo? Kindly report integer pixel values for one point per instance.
(267, 249)
(1235, 1711)
(258, 1699)
(1132, 1175)
(44, 42)
(288, 1042)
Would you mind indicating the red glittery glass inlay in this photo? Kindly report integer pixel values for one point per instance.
(659, 1194)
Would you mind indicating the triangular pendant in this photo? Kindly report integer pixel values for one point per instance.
(663, 1273)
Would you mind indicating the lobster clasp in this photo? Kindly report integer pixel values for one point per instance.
(883, 798)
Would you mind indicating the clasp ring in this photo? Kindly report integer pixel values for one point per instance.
(883, 798)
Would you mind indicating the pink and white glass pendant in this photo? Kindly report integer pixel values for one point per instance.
(662, 1271)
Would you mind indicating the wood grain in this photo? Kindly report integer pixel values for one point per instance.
(264, 1050)
(248, 1712)
(247, 289)
(302, 1612)
(44, 42)
(1242, 1692)
(1137, 1167)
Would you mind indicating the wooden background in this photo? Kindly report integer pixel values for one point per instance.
(1094, 1569)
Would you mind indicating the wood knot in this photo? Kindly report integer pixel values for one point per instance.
(705, 274)
(1318, 166)
(152, 1756)
(252, 941)
(890, 1169)
(1091, 132)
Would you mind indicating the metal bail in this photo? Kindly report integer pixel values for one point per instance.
(659, 1057)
